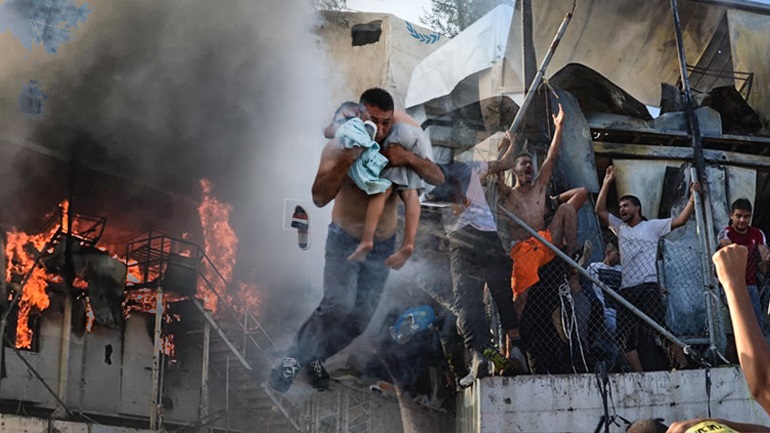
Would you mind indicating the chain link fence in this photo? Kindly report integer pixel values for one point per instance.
(570, 321)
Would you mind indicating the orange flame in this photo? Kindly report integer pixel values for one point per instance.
(20, 251)
(220, 243)
(90, 317)
(33, 298)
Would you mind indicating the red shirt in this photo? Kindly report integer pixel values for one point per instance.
(750, 240)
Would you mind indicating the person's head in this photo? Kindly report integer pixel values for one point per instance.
(523, 169)
(345, 112)
(630, 209)
(379, 108)
(611, 253)
(740, 214)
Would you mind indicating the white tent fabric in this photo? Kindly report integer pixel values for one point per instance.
(629, 42)
(475, 49)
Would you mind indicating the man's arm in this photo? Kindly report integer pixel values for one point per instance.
(764, 252)
(553, 151)
(424, 167)
(682, 218)
(752, 348)
(334, 166)
(601, 200)
(506, 161)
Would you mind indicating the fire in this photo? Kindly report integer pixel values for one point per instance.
(167, 346)
(33, 298)
(220, 243)
(246, 299)
(90, 317)
(21, 250)
(221, 246)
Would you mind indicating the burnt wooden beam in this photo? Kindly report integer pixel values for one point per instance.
(711, 156)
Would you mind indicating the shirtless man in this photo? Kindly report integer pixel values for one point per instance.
(528, 200)
(352, 289)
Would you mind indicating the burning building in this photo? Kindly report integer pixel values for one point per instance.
(133, 303)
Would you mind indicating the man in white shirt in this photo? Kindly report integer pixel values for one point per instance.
(638, 241)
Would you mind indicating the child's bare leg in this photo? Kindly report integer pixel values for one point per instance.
(411, 219)
(374, 210)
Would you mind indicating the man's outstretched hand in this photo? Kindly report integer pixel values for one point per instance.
(558, 119)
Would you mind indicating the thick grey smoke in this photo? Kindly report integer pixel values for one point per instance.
(152, 96)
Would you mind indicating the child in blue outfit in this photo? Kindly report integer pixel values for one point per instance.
(371, 176)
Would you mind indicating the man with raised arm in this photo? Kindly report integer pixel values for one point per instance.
(528, 200)
(352, 289)
(638, 242)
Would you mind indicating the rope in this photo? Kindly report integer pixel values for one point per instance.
(603, 382)
(570, 323)
(708, 390)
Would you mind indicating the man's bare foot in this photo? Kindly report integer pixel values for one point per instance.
(399, 258)
(359, 255)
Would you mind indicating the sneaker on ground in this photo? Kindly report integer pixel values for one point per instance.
(318, 376)
(283, 374)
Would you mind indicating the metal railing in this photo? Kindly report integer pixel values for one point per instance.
(159, 257)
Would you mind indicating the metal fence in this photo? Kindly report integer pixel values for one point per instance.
(657, 307)
(644, 311)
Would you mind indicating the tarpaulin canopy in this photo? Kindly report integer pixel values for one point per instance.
(631, 43)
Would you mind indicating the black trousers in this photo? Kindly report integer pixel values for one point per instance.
(477, 257)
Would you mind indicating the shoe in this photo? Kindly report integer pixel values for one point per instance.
(299, 221)
(371, 128)
(282, 375)
(499, 360)
(519, 361)
(479, 368)
(318, 376)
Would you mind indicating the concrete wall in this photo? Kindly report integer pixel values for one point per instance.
(572, 403)
(387, 63)
(121, 387)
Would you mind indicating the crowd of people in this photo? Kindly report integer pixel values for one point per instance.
(550, 315)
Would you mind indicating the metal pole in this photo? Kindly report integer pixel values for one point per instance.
(539, 75)
(694, 125)
(69, 279)
(621, 300)
(698, 158)
(64, 352)
(204, 407)
(528, 58)
(156, 359)
(708, 283)
(245, 331)
(227, 394)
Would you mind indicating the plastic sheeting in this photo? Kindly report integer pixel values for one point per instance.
(631, 43)
(475, 49)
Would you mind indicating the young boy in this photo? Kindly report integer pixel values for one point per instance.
(608, 272)
(348, 126)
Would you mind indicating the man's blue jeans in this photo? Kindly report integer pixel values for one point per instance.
(352, 291)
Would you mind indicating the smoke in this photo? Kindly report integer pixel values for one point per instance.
(149, 97)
